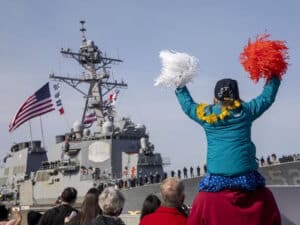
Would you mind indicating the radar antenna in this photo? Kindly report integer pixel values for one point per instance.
(91, 58)
(82, 29)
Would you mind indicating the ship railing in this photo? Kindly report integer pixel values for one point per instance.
(69, 168)
(166, 161)
(72, 151)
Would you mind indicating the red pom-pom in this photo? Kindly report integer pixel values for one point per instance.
(265, 58)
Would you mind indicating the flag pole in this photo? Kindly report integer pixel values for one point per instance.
(42, 131)
(30, 134)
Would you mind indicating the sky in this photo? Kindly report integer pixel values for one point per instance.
(33, 32)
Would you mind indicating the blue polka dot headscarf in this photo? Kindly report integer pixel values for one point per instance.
(249, 181)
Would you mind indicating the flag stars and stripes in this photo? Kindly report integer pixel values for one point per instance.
(36, 105)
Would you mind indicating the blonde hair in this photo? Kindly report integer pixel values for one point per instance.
(172, 191)
(111, 201)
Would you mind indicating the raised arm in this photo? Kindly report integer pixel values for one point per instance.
(260, 104)
(187, 103)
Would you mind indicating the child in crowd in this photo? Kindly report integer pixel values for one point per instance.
(150, 204)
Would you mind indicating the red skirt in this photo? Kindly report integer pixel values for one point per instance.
(235, 207)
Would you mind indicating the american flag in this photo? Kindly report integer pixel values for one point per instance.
(90, 118)
(36, 105)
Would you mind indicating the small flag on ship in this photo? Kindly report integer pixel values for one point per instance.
(57, 97)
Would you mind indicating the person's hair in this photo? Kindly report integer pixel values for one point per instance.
(111, 201)
(90, 208)
(172, 192)
(69, 195)
(3, 213)
(33, 217)
(227, 103)
(94, 191)
(151, 203)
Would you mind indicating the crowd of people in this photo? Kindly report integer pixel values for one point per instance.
(105, 207)
(97, 208)
(188, 172)
(289, 158)
(271, 160)
(153, 178)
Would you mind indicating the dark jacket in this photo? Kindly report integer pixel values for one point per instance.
(106, 220)
(56, 215)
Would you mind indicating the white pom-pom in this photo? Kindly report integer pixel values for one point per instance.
(177, 69)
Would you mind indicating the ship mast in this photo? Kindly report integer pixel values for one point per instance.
(98, 77)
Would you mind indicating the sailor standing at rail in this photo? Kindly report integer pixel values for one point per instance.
(65, 148)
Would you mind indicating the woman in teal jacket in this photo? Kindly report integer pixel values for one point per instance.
(231, 154)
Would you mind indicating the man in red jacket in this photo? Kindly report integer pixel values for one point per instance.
(172, 192)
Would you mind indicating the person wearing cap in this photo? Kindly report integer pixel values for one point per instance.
(232, 178)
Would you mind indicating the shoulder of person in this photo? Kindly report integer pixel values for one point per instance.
(65, 207)
(95, 221)
(75, 220)
(106, 220)
(48, 216)
(120, 221)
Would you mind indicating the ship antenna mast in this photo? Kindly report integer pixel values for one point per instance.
(82, 29)
(91, 58)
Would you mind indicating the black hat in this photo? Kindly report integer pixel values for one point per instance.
(227, 89)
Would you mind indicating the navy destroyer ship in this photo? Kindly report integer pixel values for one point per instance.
(116, 150)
